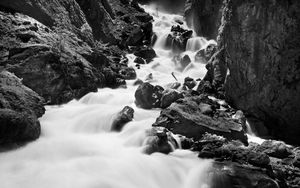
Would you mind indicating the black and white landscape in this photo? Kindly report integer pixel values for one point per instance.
(150, 94)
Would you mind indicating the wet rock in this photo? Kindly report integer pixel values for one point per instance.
(148, 96)
(138, 82)
(159, 139)
(20, 108)
(275, 149)
(146, 53)
(184, 62)
(123, 117)
(128, 73)
(189, 82)
(204, 55)
(185, 117)
(229, 175)
(168, 97)
(139, 60)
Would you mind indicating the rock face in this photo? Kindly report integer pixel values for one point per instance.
(188, 117)
(58, 48)
(263, 44)
(20, 108)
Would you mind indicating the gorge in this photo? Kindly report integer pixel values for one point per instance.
(158, 94)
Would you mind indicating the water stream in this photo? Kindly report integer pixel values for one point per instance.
(77, 149)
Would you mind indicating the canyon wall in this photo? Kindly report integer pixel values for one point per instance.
(262, 52)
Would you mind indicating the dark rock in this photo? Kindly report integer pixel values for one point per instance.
(146, 53)
(189, 82)
(159, 139)
(139, 60)
(185, 117)
(138, 82)
(264, 66)
(228, 175)
(204, 55)
(148, 96)
(184, 62)
(274, 149)
(123, 117)
(128, 73)
(20, 108)
(168, 97)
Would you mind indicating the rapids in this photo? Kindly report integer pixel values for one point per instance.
(76, 148)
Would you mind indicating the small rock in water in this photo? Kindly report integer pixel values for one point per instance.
(123, 117)
(190, 82)
(184, 62)
(159, 139)
(149, 77)
(148, 96)
(139, 60)
(147, 53)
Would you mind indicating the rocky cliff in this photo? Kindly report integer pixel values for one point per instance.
(65, 49)
(62, 49)
(262, 44)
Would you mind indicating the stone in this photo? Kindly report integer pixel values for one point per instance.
(123, 117)
(184, 62)
(128, 73)
(20, 108)
(189, 82)
(274, 149)
(148, 96)
(139, 60)
(185, 117)
(146, 53)
(159, 139)
(168, 97)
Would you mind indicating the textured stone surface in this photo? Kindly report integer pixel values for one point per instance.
(262, 43)
(186, 117)
(20, 108)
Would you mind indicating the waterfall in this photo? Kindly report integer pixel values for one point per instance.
(196, 43)
(77, 149)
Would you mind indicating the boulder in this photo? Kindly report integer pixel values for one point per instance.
(123, 117)
(168, 97)
(189, 82)
(139, 60)
(275, 149)
(159, 139)
(20, 108)
(146, 53)
(186, 118)
(148, 96)
(228, 175)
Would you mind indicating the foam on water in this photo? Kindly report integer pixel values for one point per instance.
(77, 149)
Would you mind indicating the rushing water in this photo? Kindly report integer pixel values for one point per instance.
(77, 149)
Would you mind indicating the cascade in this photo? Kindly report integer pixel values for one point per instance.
(77, 149)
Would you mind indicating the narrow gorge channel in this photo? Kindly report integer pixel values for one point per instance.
(78, 148)
(149, 94)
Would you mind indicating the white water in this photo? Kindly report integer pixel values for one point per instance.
(77, 150)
